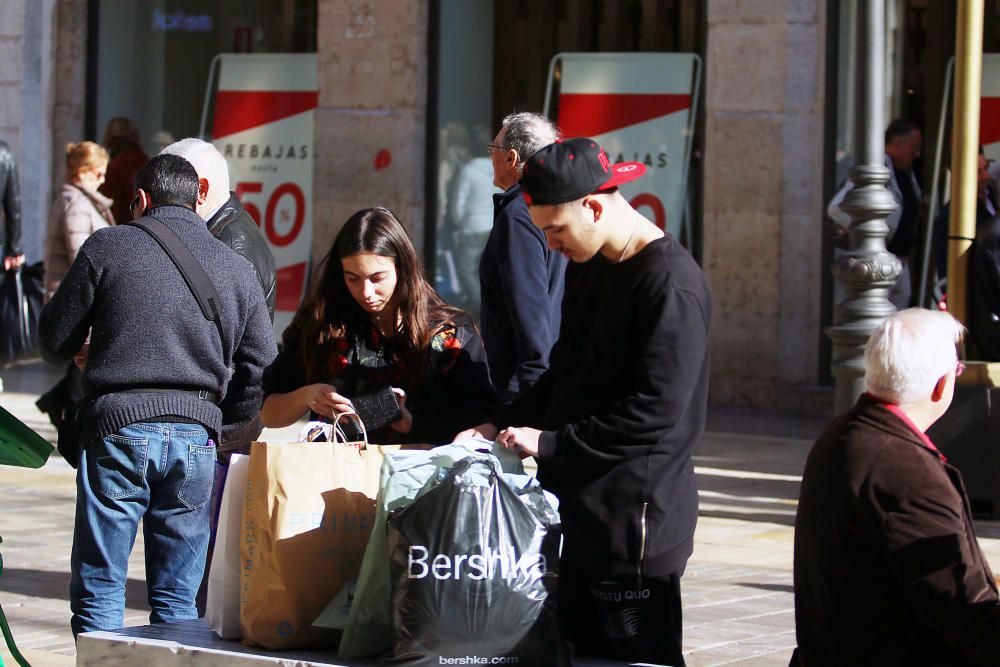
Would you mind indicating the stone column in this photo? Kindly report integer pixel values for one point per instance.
(867, 270)
(371, 118)
(763, 198)
(37, 56)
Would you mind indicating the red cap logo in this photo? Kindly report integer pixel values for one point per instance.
(605, 162)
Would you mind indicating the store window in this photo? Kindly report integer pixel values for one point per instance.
(493, 58)
(152, 57)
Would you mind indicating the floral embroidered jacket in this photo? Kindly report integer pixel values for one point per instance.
(457, 393)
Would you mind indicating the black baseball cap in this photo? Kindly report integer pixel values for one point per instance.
(571, 169)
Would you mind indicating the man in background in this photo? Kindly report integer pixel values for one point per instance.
(222, 211)
(520, 277)
(902, 147)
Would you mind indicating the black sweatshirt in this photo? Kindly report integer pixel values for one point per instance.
(147, 330)
(622, 407)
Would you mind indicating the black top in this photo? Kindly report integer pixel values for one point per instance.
(456, 395)
(10, 204)
(148, 331)
(903, 240)
(521, 286)
(984, 297)
(623, 405)
(232, 225)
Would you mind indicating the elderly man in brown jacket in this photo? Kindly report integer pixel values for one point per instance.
(887, 567)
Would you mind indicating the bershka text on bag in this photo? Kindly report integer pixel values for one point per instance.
(478, 566)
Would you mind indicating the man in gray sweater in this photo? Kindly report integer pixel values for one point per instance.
(160, 382)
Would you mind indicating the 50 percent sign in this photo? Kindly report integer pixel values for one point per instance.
(277, 238)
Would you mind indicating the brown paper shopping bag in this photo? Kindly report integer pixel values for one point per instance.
(307, 516)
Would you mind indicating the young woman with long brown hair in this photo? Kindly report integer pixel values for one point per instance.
(373, 321)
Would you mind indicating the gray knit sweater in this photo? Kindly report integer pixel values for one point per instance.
(147, 330)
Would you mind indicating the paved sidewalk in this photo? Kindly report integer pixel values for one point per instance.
(738, 606)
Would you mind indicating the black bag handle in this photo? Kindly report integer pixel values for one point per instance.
(194, 274)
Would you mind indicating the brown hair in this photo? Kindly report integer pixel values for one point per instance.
(120, 128)
(82, 156)
(331, 312)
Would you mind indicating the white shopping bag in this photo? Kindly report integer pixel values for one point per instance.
(222, 609)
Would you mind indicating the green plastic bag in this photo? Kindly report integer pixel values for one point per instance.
(19, 445)
(405, 475)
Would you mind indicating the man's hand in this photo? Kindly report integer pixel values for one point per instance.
(12, 262)
(523, 440)
(80, 358)
(485, 431)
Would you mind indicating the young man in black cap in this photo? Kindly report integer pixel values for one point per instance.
(615, 418)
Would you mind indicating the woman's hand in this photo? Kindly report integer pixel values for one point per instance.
(281, 410)
(324, 400)
(12, 262)
(405, 423)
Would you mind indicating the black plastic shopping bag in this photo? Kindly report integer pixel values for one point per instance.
(21, 292)
(474, 568)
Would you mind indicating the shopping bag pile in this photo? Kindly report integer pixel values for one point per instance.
(308, 512)
(462, 564)
(222, 608)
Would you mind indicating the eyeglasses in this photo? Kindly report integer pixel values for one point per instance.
(135, 204)
(493, 147)
(959, 369)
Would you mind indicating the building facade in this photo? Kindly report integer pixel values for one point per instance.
(409, 91)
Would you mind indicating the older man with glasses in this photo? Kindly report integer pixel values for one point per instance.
(887, 567)
(520, 277)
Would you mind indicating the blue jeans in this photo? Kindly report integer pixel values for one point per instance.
(160, 472)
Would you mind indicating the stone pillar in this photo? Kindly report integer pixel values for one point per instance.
(19, 58)
(371, 119)
(39, 73)
(763, 197)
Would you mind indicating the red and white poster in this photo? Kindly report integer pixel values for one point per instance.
(263, 125)
(639, 107)
(989, 107)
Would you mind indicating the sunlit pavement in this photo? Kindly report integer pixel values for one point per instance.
(738, 606)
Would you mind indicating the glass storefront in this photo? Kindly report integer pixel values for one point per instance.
(492, 59)
(153, 57)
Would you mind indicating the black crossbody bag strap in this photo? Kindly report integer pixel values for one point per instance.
(194, 273)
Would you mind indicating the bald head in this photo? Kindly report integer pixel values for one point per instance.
(213, 172)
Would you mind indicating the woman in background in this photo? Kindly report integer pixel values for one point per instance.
(374, 323)
(124, 146)
(78, 211)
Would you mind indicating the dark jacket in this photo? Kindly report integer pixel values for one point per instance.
(622, 407)
(10, 195)
(984, 295)
(887, 567)
(126, 160)
(147, 330)
(521, 287)
(232, 225)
